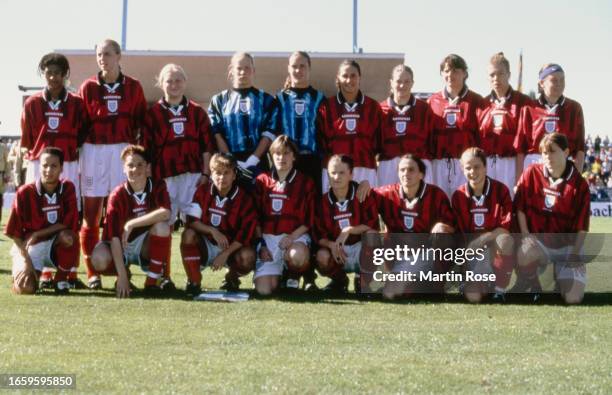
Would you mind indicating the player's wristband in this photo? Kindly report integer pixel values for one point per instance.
(252, 161)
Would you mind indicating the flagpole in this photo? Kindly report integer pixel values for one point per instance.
(519, 85)
(124, 26)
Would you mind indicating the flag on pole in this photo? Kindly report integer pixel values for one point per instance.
(519, 85)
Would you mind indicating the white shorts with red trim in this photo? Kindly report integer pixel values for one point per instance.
(564, 271)
(101, 168)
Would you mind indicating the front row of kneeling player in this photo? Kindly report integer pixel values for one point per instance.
(268, 230)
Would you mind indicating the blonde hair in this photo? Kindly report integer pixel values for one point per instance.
(236, 57)
(114, 44)
(167, 69)
(500, 60)
(474, 152)
(295, 54)
(221, 161)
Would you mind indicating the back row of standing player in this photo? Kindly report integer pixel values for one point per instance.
(111, 112)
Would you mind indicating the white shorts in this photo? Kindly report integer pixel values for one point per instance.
(181, 189)
(531, 159)
(40, 254)
(352, 262)
(448, 175)
(101, 168)
(359, 174)
(70, 172)
(212, 249)
(558, 256)
(276, 266)
(132, 252)
(387, 172)
(502, 170)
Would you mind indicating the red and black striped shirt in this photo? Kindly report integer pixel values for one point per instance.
(61, 123)
(499, 122)
(405, 129)
(233, 215)
(177, 137)
(116, 111)
(334, 215)
(455, 123)
(285, 206)
(34, 209)
(350, 129)
(418, 215)
(491, 210)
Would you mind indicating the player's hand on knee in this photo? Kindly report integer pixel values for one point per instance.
(286, 242)
(264, 254)
(218, 262)
(220, 239)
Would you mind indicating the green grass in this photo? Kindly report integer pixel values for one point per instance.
(306, 344)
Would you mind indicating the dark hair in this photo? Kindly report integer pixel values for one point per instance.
(419, 162)
(476, 153)
(343, 159)
(133, 149)
(303, 54)
(223, 160)
(348, 62)
(455, 62)
(54, 59)
(55, 151)
(553, 138)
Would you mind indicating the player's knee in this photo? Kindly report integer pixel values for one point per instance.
(323, 258)
(505, 243)
(189, 236)
(161, 229)
(101, 257)
(66, 238)
(573, 297)
(297, 257)
(24, 283)
(473, 297)
(266, 285)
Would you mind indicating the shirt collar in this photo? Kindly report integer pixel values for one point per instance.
(148, 186)
(120, 79)
(393, 104)
(231, 194)
(460, 96)
(40, 190)
(290, 177)
(506, 98)
(567, 173)
(485, 191)
(543, 101)
(63, 96)
(420, 192)
(341, 100)
(350, 196)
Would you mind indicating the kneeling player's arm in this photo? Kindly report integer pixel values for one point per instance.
(117, 254)
(48, 231)
(522, 220)
(21, 246)
(326, 243)
(580, 236)
(262, 147)
(221, 144)
(159, 215)
(233, 247)
(199, 227)
(302, 229)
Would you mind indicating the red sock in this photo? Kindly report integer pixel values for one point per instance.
(66, 259)
(89, 239)
(191, 262)
(46, 274)
(502, 267)
(168, 259)
(158, 254)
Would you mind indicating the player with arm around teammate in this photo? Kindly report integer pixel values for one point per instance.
(341, 221)
(285, 199)
(483, 211)
(136, 229)
(220, 227)
(412, 206)
(43, 225)
(116, 107)
(553, 211)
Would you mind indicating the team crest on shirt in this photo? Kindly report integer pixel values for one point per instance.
(550, 126)
(277, 205)
(400, 127)
(299, 107)
(112, 105)
(53, 122)
(244, 105)
(549, 200)
(178, 128)
(408, 221)
(52, 216)
(451, 118)
(215, 219)
(351, 124)
(498, 120)
(344, 223)
(479, 219)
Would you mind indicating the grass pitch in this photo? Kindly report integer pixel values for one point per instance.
(304, 343)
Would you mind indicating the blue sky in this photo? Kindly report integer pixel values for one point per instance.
(576, 35)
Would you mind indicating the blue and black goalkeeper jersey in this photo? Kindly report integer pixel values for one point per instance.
(298, 109)
(243, 117)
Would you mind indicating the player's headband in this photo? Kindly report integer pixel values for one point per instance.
(553, 68)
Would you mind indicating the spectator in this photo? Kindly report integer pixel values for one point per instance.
(597, 143)
(606, 142)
